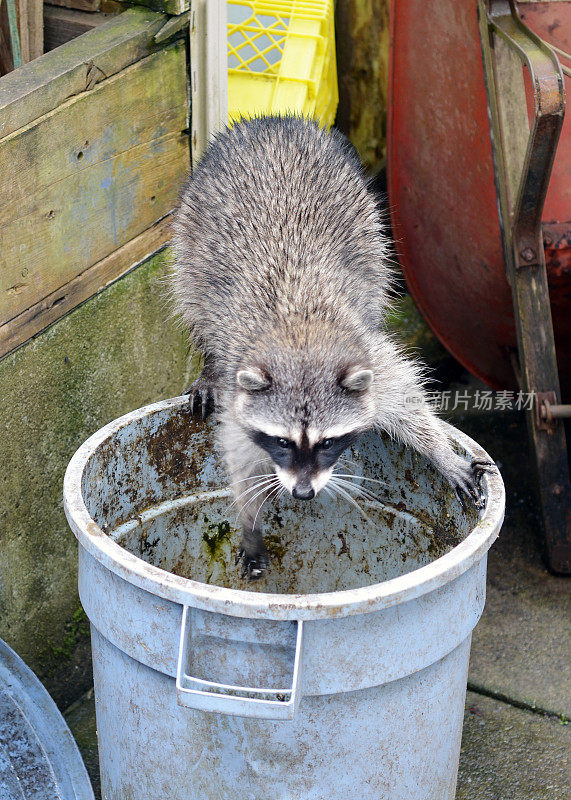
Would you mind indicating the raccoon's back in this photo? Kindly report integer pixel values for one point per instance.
(276, 219)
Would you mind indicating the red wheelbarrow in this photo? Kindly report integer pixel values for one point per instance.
(483, 222)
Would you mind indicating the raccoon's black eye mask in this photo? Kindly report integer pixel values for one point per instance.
(286, 453)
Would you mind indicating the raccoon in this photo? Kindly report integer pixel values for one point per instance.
(282, 276)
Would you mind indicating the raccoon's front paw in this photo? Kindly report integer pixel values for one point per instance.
(253, 566)
(465, 478)
(202, 397)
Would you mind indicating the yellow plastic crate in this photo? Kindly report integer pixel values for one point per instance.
(281, 58)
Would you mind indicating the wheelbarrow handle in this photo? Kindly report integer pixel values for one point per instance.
(548, 111)
(523, 168)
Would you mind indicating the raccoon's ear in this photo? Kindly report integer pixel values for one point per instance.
(253, 379)
(356, 379)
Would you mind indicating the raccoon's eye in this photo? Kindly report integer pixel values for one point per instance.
(283, 443)
(326, 444)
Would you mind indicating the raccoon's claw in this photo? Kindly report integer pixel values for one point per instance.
(460, 495)
(467, 481)
(253, 567)
(201, 397)
(480, 466)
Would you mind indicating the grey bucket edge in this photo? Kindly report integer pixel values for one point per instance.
(236, 602)
(62, 758)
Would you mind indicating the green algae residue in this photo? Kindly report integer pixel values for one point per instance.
(216, 537)
(275, 546)
(217, 548)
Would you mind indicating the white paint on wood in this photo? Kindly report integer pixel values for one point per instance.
(209, 71)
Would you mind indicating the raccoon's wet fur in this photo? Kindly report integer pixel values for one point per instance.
(282, 277)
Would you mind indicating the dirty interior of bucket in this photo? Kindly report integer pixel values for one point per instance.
(159, 489)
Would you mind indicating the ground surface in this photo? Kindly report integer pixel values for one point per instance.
(516, 743)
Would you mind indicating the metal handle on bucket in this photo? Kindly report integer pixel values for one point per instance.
(237, 700)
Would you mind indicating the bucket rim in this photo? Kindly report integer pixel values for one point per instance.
(266, 605)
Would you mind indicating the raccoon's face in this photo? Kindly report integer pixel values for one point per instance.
(304, 432)
(303, 466)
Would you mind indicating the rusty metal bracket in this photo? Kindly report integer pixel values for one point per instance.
(523, 157)
(548, 411)
(544, 402)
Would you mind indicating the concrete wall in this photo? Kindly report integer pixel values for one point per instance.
(112, 354)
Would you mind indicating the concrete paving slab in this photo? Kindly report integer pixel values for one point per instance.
(511, 754)
(521, 648)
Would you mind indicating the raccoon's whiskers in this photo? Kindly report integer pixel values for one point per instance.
(267, 459)
(264, 479)
(351, 500)
(328, 492)
(359, 490)
(265, 488)
(240, 511)
(342, 493)
(348, 461)
(359, 478)
(251, 477)
(273, 491)
(354, 490)
(266, 482)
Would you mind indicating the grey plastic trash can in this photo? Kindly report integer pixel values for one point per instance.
(339, 676)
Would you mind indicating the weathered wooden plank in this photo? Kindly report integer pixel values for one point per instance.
(6, 62)
(174, 27)
(35, 319)
(122, 152)
(61, 25)
(209, 80)
(81, 5)
(23, 29)
(168, 6)
(29, 18)
(36, 28)
(40, 86)
(512, 115)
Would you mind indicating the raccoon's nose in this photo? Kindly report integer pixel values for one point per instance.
(303, 493)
